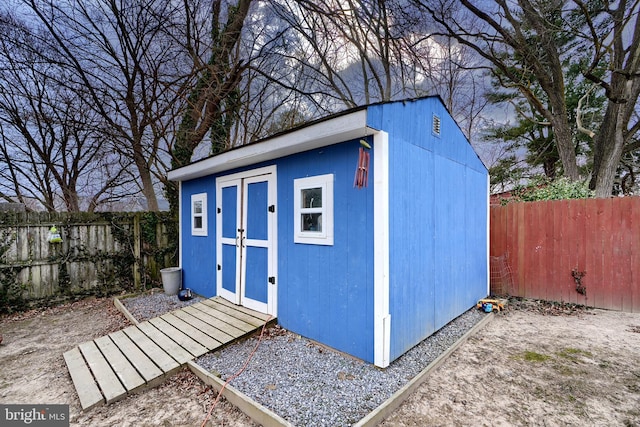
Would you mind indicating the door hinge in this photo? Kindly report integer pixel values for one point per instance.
(219, 210)
(272, 280)
(219, 267)
(272, 208)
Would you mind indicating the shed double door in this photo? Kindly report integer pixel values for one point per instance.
(245, 231)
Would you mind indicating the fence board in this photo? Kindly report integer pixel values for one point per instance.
(87, 253)
(561, 253)
(626, 276)
(545, 241)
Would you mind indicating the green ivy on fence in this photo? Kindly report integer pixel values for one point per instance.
(140, 245)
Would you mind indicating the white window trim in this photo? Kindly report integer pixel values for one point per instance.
(324, 237)
(203, 231)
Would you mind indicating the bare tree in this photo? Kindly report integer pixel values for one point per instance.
(118, 58)
(529, 42)
(341, 54)
(51, 148)
(217, 70)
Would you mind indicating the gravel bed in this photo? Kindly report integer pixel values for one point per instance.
(302, 381)
(310, 385)
(154, 304)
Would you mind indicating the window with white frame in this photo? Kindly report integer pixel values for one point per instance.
(199, 214)
(313, 210)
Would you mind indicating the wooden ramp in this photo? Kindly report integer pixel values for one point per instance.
(110, 367)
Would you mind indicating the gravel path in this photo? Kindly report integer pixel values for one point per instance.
(306, 383)
(154, 304)
(310, 385)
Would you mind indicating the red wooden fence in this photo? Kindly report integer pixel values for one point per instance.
(541, 243)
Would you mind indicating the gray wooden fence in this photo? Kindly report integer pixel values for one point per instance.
(100, 254)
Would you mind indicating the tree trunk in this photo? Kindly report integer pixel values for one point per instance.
(219, 80)
(607, 152)
(564, 142)
(148, 191)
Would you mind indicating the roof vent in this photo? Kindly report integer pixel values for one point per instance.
(436, 125)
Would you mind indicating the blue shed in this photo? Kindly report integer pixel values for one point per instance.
(279, 226)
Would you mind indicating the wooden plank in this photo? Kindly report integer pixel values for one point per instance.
(596, 290)
(167, 344)
(566, 249)
(125, 371)
(528, 259)
(190, 330)
(87, 389)
(143, 364)
(261, 316)
(205, 327)
(519, 247)
(590, 257)
(568, 255)
(538, 273)
(634, 265)
(104, 375)
(224, 328)
(583, 206)
(623, 212)
(559, 251)
(228, 323)
(497, 231)
(609, 227)
(232, 311)
(182, 339)
(554, 280)
(616, 256)
(546, 283)
(160, 355)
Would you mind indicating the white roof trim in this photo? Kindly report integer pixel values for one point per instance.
(328, 132)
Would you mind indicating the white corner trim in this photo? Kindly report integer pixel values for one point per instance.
(343, 128)
(382, 318)
(488, 235)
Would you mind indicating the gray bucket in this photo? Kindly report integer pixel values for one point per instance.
(171, 280)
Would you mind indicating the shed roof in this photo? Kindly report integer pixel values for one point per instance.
(333, 129)
(315, 135)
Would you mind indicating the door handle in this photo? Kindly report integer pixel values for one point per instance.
(244, 242)
(237, 237)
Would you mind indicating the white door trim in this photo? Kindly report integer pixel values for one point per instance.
(234, 297)
(242, 180)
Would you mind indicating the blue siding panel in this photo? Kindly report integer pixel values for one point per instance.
(326, 292)
(438, 229)
(199, 252)
(411, 122)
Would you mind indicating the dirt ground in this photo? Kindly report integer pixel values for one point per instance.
(534, 365)
(32, 370)
(539, 366)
